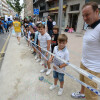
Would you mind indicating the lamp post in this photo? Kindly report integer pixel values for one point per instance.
(60, 15)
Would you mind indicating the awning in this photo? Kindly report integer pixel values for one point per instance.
(55, 12)
(56, 8)
(73, 12)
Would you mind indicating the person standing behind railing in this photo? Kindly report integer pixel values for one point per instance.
(62, 52)
(91, 50)
(54, 37)
(44, 41)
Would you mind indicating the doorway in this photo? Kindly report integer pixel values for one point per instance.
(73, 18)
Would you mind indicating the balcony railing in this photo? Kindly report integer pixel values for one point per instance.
(56, 4)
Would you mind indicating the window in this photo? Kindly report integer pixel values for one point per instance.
(42, 8)
(98, 1)
(74, 7)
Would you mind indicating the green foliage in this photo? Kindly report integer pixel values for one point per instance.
(16, 6)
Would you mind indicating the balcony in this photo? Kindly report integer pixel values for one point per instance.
(55, 3)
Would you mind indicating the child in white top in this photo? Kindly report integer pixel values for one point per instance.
(62, 52)
(44, 41)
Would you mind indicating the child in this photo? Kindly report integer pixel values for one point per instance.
(71, 30)
(44, 41)
(32, 36)
(36, 42)
(67, 29)
(54, 37)
(29, 34)
(62, 52)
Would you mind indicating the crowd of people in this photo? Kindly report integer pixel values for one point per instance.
(5, 25)
(39, 40)
(42, 41)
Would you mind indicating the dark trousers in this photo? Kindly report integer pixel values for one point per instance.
(50, 32)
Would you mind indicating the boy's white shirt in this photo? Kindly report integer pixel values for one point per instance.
(43, 40)
(63, 54)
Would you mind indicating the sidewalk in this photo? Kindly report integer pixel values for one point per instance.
(19, 76)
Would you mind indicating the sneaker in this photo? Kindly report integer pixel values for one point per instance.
(34, 54)
(60, 91)
(77, 95)
(38, 60)
(52, 87)
(31, 50)
(36, 57)
(18, 43)
(43, 70)
(41, 63)
(48, 72)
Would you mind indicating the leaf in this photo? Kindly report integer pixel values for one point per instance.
(16, 6)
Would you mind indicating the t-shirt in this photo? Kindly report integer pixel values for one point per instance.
(91, 49)
(17, 26)
(54, 39)
(43, 40)
(30, 24)
(32, 35)
(44, 23)
(63, 54)
(5, 25)
(50, 25)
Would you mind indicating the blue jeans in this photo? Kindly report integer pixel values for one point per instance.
(58, 75)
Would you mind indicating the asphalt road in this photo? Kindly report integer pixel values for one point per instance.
(3, 38)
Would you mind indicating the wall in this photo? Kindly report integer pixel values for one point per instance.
(80, 22)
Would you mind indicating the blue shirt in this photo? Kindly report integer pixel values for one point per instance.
(30, 24)
(43, 23)
(2, 22)
(5, 24)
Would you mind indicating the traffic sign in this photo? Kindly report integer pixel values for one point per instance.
(36, 11)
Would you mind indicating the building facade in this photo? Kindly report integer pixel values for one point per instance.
(74, 17)
(5, 9)
(28, 10)
(72, 12)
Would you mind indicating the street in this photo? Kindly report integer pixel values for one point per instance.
(3, 38)
(19, 76)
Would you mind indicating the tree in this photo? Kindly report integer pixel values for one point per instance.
(16, 6)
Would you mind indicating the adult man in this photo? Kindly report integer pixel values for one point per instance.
(49, 26)
(91, 50)
(17, 27)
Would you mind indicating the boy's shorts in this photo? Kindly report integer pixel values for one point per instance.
(44, 53)
(18, 34)
(60, 76)
(89, 94)
(33, 45)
